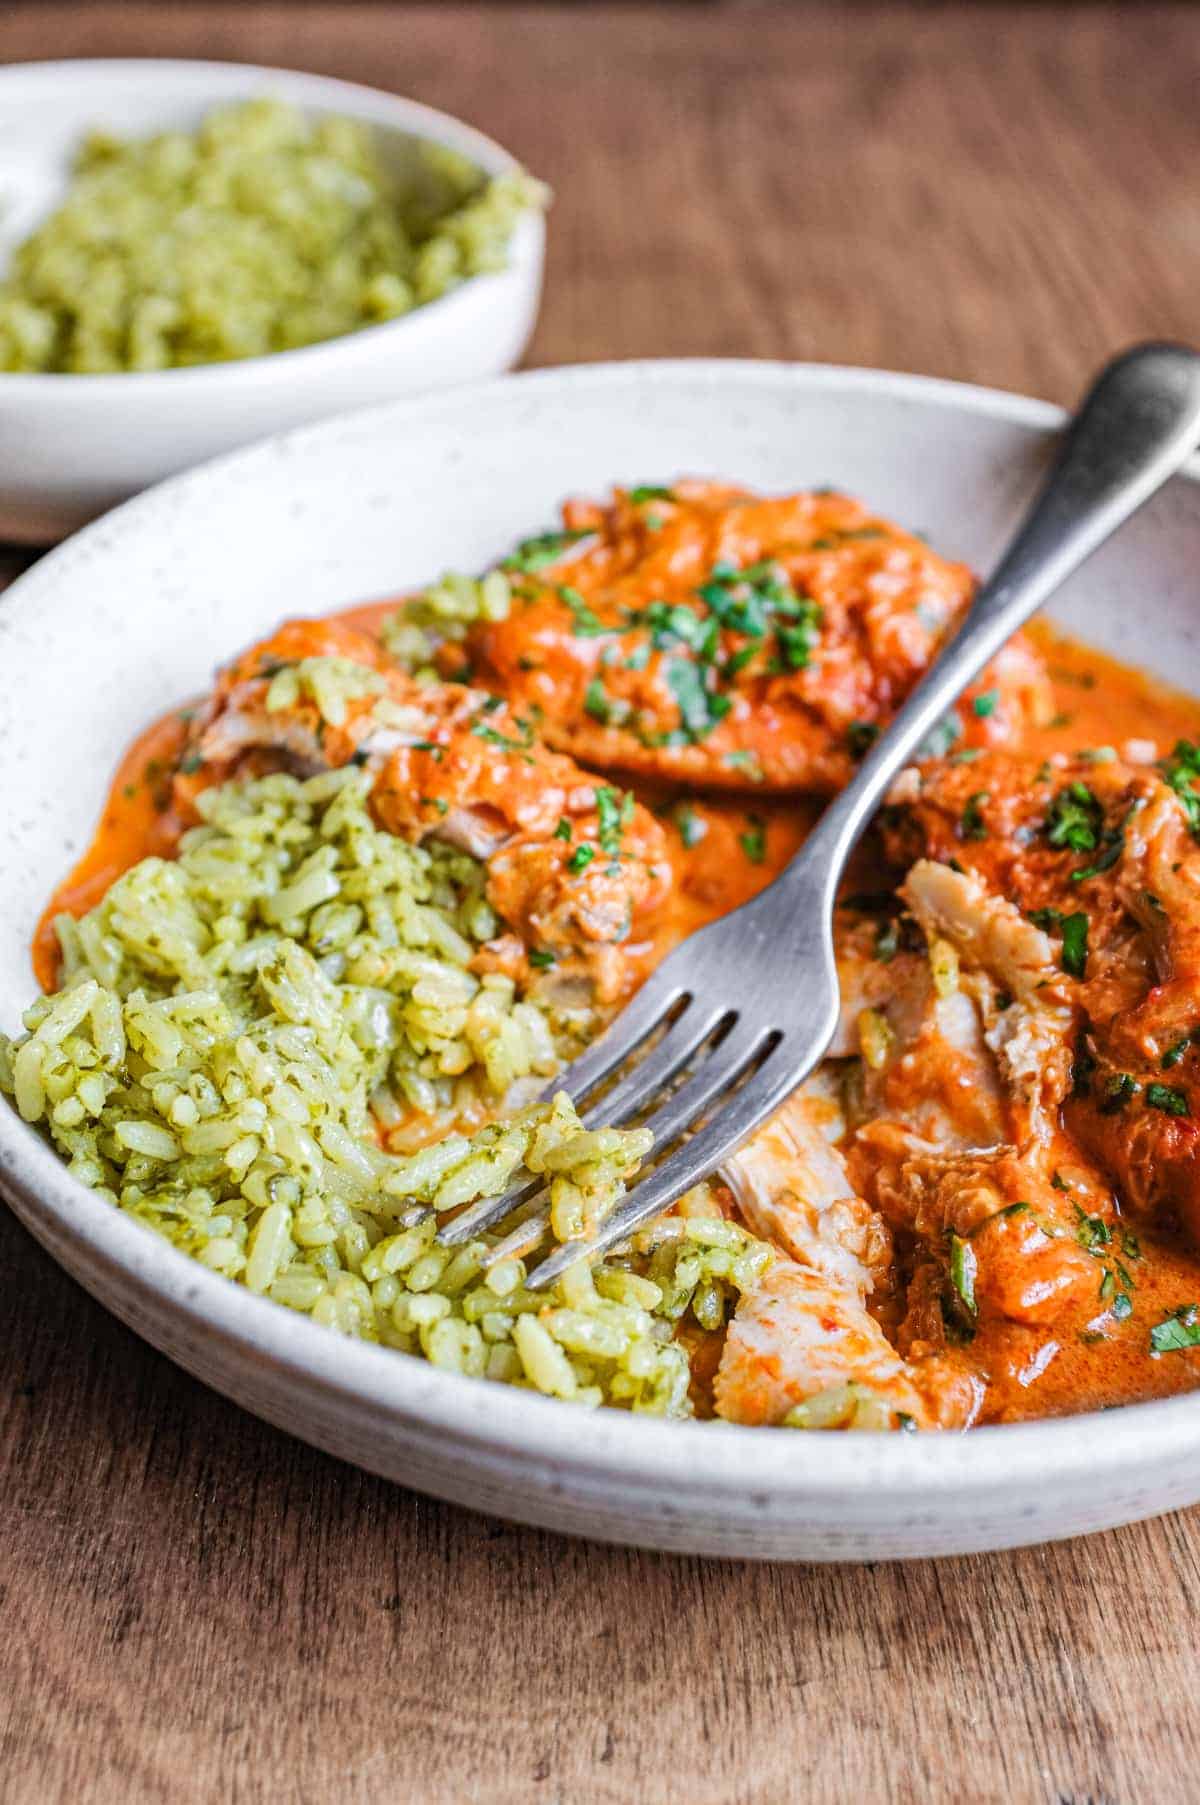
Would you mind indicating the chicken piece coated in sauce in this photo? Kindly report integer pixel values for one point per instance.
(712, 637)
(803, 1336)
(966, 1054)
(1101, 855)
(576, 868)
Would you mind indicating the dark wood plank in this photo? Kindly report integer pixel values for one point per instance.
(198, 1608)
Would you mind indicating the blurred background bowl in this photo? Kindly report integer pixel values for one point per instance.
(72, 445)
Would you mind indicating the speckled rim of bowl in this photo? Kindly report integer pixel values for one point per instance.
(328, 94)
(707, 1462)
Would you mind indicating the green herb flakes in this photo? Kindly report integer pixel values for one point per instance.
(1075, 819)
(1075, 945)
(971, 825)
(1177, 1332)
(1172, 1102)
(964, 1268)
(754, 841)
(692, 826)
(543, 549)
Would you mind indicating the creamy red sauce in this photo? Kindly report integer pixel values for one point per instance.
(724, 850)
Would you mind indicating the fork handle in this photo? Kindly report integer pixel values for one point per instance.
(1136, 426)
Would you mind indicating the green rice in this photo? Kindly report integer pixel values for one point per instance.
(236, 1026)
(260, 232)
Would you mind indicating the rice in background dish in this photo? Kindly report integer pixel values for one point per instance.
(260, 232)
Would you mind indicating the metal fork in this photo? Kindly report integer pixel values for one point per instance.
(744, 1009)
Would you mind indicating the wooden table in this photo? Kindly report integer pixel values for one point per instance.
(197, 1608)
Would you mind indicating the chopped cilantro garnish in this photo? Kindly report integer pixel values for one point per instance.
(1114, 846)
(1174, 1054)
(585, 622)
(798, 638)
(699, 707)
(540, 957)
(1176, 1332)
(985, 703)
(596, 701)
(615, 813)
(495, 738)
(1075, 819)
(754, 841)
(674, 624)
(737, 661)
(650, 492)
(542, 549)
(564, 830)
(581, 858)
(861, 736)
(1182, 771)
(963, 1268)
(692, 827)
(1117, 1091)
(971, 825)
(742, 759)
(190, 763)
(1075, 945)
(1091, 1231)
(1172, 1102)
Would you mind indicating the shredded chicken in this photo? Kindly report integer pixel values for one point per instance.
(805, 1329)
(1102, 857)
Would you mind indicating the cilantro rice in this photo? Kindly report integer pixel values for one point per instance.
(239, 1029)
(260, 232)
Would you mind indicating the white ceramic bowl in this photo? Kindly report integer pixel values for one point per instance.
(136, 610)
(71, 446)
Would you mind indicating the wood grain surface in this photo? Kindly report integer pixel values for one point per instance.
(195, 1607)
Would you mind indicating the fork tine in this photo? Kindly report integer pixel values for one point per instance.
(714, 1076)
(674, 1052)
(636, 1022)
(522, 1240)
(488, 1211)
(709, 1081)
(693, 1161)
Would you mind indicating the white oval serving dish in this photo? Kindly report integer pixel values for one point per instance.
(134, 612)
(71, 446)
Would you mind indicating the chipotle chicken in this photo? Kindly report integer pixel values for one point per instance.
(712, 637)
(985, 1204)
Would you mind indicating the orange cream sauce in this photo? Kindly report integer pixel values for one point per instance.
(724, 850)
